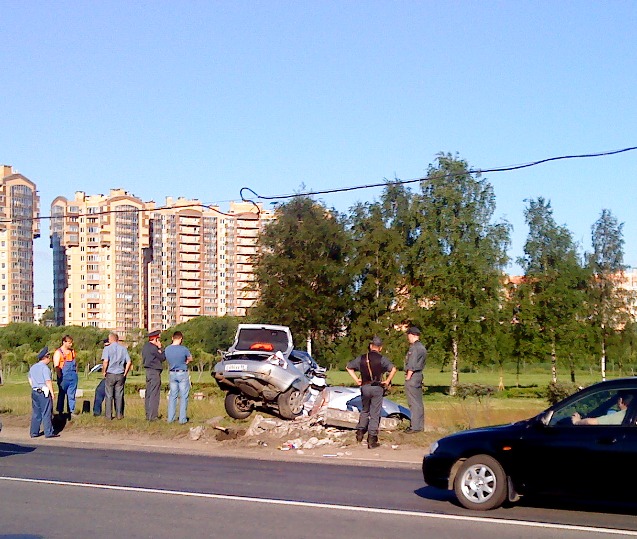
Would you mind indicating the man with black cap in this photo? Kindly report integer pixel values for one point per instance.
(153, 357)
(41, 396)
(414, 365)
(372, 367)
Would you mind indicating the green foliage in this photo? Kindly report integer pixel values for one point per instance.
(302, 273)
(550, 301)
(557, 391)
(478, 391)
(456, 262)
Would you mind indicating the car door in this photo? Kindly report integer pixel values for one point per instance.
(562, 458)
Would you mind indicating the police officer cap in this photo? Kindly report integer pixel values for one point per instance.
(154, 334)
(43, 353)
(413, 330)
(376, 341)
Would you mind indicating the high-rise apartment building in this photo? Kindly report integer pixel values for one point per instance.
(201, 260)
(97, 244)
(19, 209)
(122, 264)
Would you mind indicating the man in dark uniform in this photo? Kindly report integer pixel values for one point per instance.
(414, 365)
(372, 367)
(153, 357)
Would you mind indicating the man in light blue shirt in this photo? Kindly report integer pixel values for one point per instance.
(41, 396)
(178, 357)
(116, 364)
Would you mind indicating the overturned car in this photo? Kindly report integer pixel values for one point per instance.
(262, 369)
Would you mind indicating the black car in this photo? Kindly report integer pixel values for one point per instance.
(584, 446)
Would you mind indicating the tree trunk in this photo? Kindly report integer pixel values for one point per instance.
(603, 355)
(553, 361)
(454, 366)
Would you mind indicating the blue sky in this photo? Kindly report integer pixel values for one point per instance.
(198, 99)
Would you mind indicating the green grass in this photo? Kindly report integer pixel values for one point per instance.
(444, 413)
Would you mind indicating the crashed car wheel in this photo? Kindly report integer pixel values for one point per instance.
(290, 403)
(481, 483)
(238, 406)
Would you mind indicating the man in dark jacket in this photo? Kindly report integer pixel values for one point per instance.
(153, 357)
(372, 366)
(414, 365)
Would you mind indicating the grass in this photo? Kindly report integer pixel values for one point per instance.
(443, 413)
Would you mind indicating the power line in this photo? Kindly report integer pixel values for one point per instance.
(448, 175)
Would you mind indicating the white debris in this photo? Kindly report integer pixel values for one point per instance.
(196, 432)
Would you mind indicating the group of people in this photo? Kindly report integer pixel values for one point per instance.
(116, 364)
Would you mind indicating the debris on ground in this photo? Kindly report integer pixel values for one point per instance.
(196, 432)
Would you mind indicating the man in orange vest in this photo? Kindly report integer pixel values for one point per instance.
(66, 371)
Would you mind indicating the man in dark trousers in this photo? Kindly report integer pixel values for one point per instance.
(153, 357)
(116, 364)
(372, 366)
(41, 396)
(414, 365)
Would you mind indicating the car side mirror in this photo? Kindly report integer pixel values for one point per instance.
(544, 418)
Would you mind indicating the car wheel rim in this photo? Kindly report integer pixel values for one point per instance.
(296, 403)
(479, 483)
(242, 404)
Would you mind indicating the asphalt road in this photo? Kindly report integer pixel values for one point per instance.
(50, 491)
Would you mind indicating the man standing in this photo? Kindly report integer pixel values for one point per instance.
(178, 357)
(100, 390)
(371, 366)
(116, 364)
(153, 358)
(66, 372)
(414, 365)
(41, 396)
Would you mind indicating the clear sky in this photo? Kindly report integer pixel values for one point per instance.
(200, 98)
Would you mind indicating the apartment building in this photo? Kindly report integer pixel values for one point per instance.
(98, 243)
(121, 263)
(19, 226)
(201, 260)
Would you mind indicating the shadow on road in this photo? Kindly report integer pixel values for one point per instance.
(560, 504)
(21, 536)
(587, 506)
(439, 495)
(7, 449)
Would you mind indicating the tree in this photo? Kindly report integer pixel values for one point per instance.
(380, 233)
(302, 274)
(607, 301)
(554, 283)
(456, 262)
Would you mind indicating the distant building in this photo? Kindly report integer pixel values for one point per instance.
(120, 263)
(19, 226)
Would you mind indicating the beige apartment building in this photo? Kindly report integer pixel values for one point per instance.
(121, 263)
(19, 226)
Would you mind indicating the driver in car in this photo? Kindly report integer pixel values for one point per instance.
(615, 418)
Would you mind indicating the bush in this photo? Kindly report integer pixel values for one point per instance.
(474, 390)
(532, 392)
(556, 391)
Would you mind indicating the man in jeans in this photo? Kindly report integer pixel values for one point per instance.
(178, 357)
(116, 364)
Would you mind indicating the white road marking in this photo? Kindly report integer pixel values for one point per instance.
(268, 501)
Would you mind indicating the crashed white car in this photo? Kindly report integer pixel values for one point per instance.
(262, 369)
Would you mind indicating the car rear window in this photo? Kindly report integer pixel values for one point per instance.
(266, 340)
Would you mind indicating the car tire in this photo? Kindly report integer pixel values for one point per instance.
(290, 403)
(237, 406)
(481, 483)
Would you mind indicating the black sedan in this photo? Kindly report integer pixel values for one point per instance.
(584, 446)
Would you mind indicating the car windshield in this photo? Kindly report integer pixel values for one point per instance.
(262, 340)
